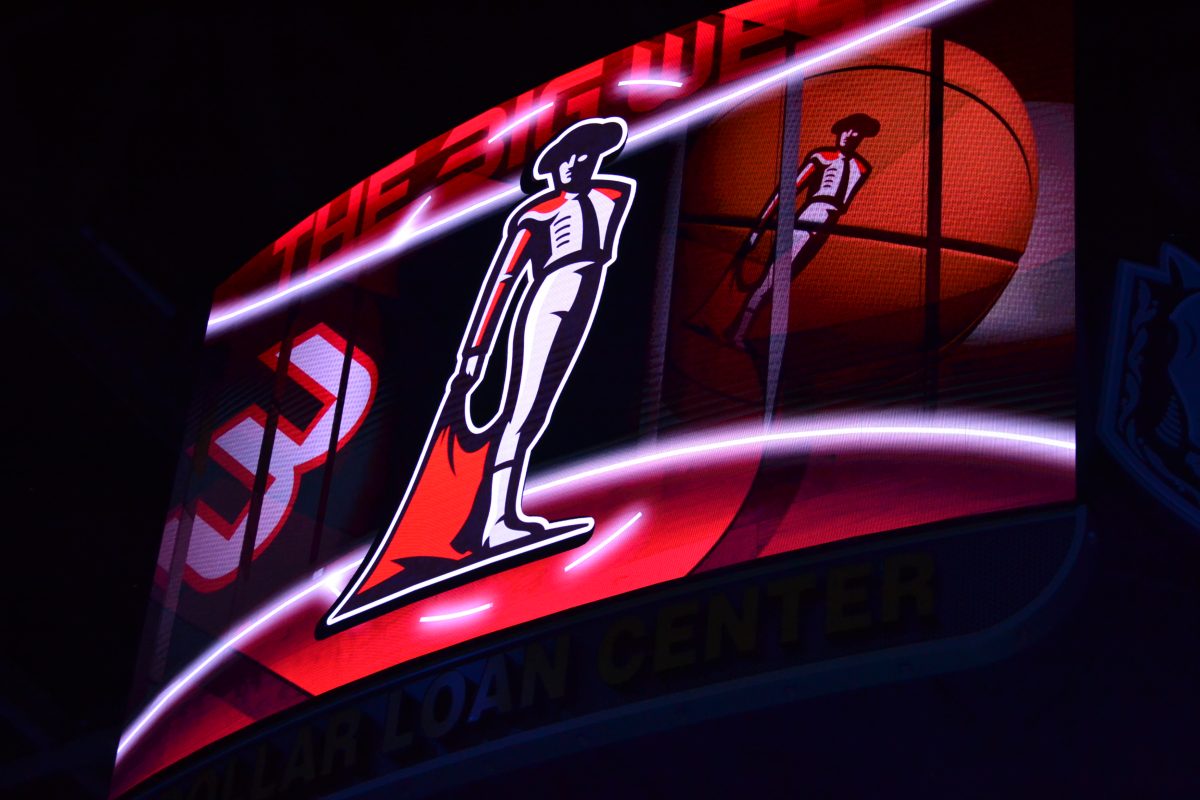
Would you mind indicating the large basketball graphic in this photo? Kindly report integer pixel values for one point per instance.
(859, 317)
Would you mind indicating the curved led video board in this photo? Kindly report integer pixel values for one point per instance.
(790, 275)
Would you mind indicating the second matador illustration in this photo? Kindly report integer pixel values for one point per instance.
(832, 176)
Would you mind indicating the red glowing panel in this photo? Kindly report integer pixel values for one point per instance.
(736, 292)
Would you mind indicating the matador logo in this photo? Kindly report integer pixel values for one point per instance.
(461, 516)
(832, 177)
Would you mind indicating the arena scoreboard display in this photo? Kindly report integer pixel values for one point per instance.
(739, 360)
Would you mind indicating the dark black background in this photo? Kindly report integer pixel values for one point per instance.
(149, 151)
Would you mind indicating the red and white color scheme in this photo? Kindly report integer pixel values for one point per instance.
(215, 543)
(462, 516)
(356, 497)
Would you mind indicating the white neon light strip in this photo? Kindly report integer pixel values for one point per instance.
(177, 686)
(650, 82)
(456, 614)
(390, 245)
(401, 236)
(464, 212)
(799, 67)
(404, 232)
(513, 126)
(607, 541)
(397, 243)
(888, 432)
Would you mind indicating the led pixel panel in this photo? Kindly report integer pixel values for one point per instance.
(790, 275)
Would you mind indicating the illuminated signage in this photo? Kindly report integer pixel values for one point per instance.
(787, 277)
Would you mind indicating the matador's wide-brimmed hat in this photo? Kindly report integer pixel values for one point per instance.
(596, 137)
(865, 124)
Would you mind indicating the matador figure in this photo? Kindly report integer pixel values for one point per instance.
(831, 177)
(560, 243)
(461, 515)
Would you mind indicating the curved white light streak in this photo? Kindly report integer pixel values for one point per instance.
(299, 286)
(396, 240)
(404, 232)
(638, 134)
(456, 614)
(391, 244)
(921, 433)
(521, 121)
(185, 680)
(988, 430)
(650, 82)
(468, 211)
(924, 14)
(607, 541)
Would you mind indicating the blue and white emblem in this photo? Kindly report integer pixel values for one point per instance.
(1150, 417)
